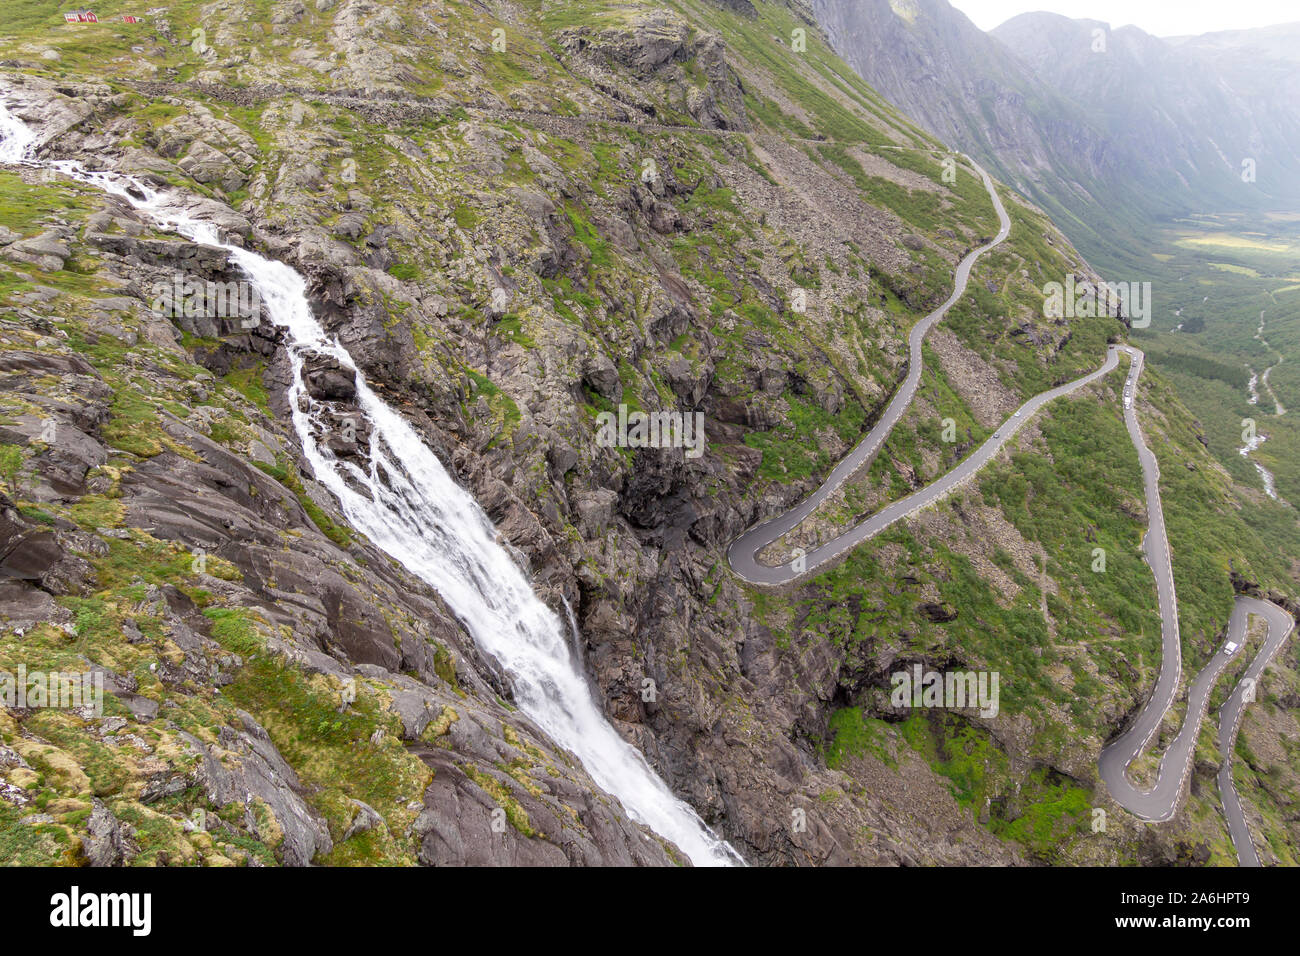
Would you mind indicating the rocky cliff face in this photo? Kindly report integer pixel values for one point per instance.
(670, 209)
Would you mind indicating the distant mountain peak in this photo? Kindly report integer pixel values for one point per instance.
(1105, 127)
(906, 10)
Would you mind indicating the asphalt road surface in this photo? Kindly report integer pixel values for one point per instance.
(1280, 626)
(1159, 802)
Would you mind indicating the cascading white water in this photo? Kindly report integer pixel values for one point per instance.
(1266, 476)
(575, 635)
(409, 506)
(16, 137)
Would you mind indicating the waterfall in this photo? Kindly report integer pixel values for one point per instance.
(411, 508)
(16, 137)
(1266, 476)
(575, 633)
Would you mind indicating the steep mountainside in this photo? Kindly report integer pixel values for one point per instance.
(1260, 67)
(518, 216)
(971, 91)
(1108, 130)
(1185, 122)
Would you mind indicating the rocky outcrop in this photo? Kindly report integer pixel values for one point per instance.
(653, 46)
(244, 768)
(1243, 585)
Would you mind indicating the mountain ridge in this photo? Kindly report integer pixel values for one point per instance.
(1082, 133)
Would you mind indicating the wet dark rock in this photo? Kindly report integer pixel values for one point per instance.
(25, 554)
(462, 824)
(327, 381)
(938, 613)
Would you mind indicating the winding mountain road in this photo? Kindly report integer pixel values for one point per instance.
(742, 554)
(1160, 802)
(1280, 626)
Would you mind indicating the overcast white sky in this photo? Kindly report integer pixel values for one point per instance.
(1160, 17)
